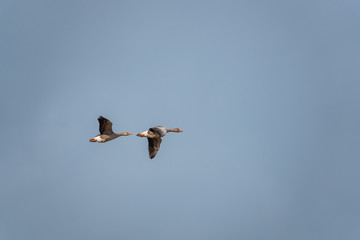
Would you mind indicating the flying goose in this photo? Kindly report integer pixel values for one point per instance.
(154, 135)
(106, 133)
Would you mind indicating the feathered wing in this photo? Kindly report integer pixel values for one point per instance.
(105, 125)
(154, 146)
(161, 131)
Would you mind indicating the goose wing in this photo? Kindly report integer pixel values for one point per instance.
(161, 131)
(105, 125)
(154, 146)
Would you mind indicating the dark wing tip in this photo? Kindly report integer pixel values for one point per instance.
(102, 119)
(152, 154)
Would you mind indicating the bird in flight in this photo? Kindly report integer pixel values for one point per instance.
(154, 136)
(106, 133)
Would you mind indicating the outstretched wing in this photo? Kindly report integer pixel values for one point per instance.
(105, 125)
(154, 146)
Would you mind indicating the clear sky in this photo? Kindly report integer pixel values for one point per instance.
(267, 93)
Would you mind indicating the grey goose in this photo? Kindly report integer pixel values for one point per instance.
(154, 136)
(106, 133)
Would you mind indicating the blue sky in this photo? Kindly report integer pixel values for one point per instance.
(267, 93)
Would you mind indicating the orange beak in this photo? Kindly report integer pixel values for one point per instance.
(180, 130)
(139, 135)
(128, 133)
(92, 140)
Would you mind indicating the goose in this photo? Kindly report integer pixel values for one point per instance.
(154, 136)
(106, 133)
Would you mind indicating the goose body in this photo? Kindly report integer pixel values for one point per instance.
(106, 133)
(154, 136)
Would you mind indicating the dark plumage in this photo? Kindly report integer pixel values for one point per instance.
(105, 126)
(154, 146)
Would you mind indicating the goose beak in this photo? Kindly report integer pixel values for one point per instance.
(140, 135)
(128, 133)
(92, 140)
(180, 130)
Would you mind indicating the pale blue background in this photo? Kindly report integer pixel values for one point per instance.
(267, 93)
